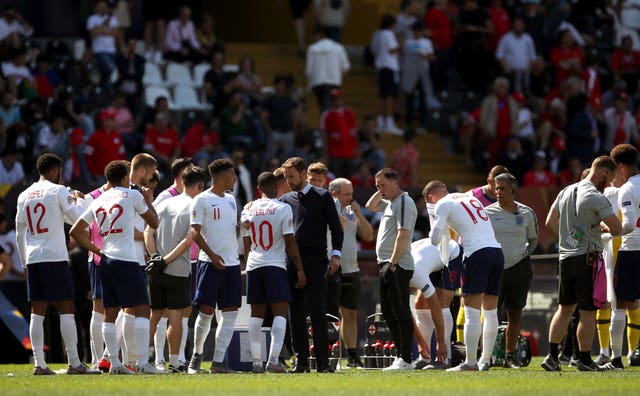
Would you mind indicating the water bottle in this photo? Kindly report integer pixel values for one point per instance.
(393, 351)
(387, 354)
(379, 354)
(367, 353)
(312, 357)
(335, 350)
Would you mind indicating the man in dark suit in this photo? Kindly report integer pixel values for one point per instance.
(313, 210)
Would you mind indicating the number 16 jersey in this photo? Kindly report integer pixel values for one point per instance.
(466, 215)
(270, 220)
(114, 211)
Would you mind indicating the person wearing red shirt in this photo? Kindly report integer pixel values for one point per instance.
(405, 160)
(498, 118)
(539, 175)
(625, 62)
(572, 173)
(501, 23)
(104, 145)
(162, 142)
(439, 23)
(566, 58)
(362, 176)
(340, 135)
(591, 81)
(202, 144)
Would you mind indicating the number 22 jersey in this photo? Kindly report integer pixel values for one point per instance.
(114, 212)
(466, 215)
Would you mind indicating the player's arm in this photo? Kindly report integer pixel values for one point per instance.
(179, 249)
(402, 239)
(6, 264)
(78, 232)
(364, 227)
(375, 204)
(196, 235)
(440, 226)
(553, 221)
(150, 216)
(21, 238)
(246, 246)
(150, 240)
(337, 233)
(625, 203)
(613, 226)
(438, 322)
(532, 233)
(294, 256)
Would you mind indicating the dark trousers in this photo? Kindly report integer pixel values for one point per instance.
(312, 301)
(322, 92)
(410, 98)
(394, 301)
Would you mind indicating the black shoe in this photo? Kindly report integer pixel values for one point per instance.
(634, 360)
(551, 364)
(325, 370)
(510, 362)
(614, 364)
(590, 367)
(355, 362)
(299, 369)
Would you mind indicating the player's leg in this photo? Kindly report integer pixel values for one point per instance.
(515, 286)
(460, 321)
(174, 336)
(157, 322)
(36, 294)
(205, 299)
(445, 297)
(177, 299)
(472, 327)
(257, 299)
(278, 331)
(97, 315)
(229, 300)
(603, 324)
(490, 304)
(633, 332)
(587, 324)
(298, 322)
(349, 302)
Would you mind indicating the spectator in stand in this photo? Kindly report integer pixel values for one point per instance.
(362, 176)
(415, 77)
(369, 144)
(161, 107)
(331, 16)
(439, 21)
(234, 125)
(202, 144)
(217, 83)
(105, 36)
(154, 18)
(534, 24)
(539, 175)
(124, 123)
(515, 53)
(472, 58)
(553, 123)
(498, 118)
(52, 138)
(181, 43)
(248, 81)
(205, 32)
(386, 49)
(18, 76)
(470, 132)
(625, 62)
(104, 145)
(514, 158)
(298, 8)
(405, 160)
(409, 10)
(524, 130)
(46, 80)
(620, 124)
(130, 72)
(326, 62)
(501, 23)
(162, 142)
(9, 112)
(583, 132)
(591, 80)
(572, 174)
(19, 137)
(11, 171)
(340, 136)
(567, 58)
(278, 120)
(13, 29)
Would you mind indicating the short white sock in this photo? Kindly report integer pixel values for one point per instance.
(201, 331)
(448, 328)
(183, 340)
(142, 340)
(160, 339)
(111, 341)
(128, 338)
(70, 338)
(472, 330)
(255, 338)
(224, 333)
(489, 333)
(173, 360)
(36, 333)
(424, 321)
(95, 332)
(278, 330)
(618, 317)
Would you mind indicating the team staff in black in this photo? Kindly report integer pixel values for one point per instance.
(313, 210)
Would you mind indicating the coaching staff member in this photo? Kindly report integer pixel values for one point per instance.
(516, 230)
(313, 210)
(393, 248)
(580, 214)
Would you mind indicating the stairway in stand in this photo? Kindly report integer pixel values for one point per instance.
(360, 93)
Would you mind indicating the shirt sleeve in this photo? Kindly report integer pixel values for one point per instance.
(532, 232)
(68, 205)
(88, 216)
(197, 212)
(627, 207)
(441, 214)
(139, 205)
(244, 216)
(602, 206)
(405, 214)
(287, 220)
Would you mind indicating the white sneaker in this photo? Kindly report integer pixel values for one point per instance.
(161, 366)
(464, 367)
(400, 365)
(148, 368)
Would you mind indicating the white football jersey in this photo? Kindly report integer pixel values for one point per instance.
(270, 220)
(218, 218)
(629, 204)
(466, 215)
(43, 208)
(114, 211)
(426, 258)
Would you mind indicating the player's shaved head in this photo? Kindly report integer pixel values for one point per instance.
(193, 175)
(180, 164)
(433, 186)
(267, 182)
(116, 172)
(143, 160)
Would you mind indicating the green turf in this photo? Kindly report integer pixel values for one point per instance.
(18, 379)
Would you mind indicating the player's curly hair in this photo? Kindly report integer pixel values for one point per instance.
(625, 154)
(116, 171)
(220, 165)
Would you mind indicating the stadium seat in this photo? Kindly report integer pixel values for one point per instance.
(187, 99)
(199, 72)
(230, 68)
(152, 92)
(152, 75)
(179, 74)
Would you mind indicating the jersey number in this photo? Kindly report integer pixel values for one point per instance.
(101, 213)
(479, 211)
(39, 207)
(264, 228)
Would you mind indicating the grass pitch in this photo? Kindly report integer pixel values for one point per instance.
(531, 380)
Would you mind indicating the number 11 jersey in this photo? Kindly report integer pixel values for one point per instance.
(466, 215)
(270, 221)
